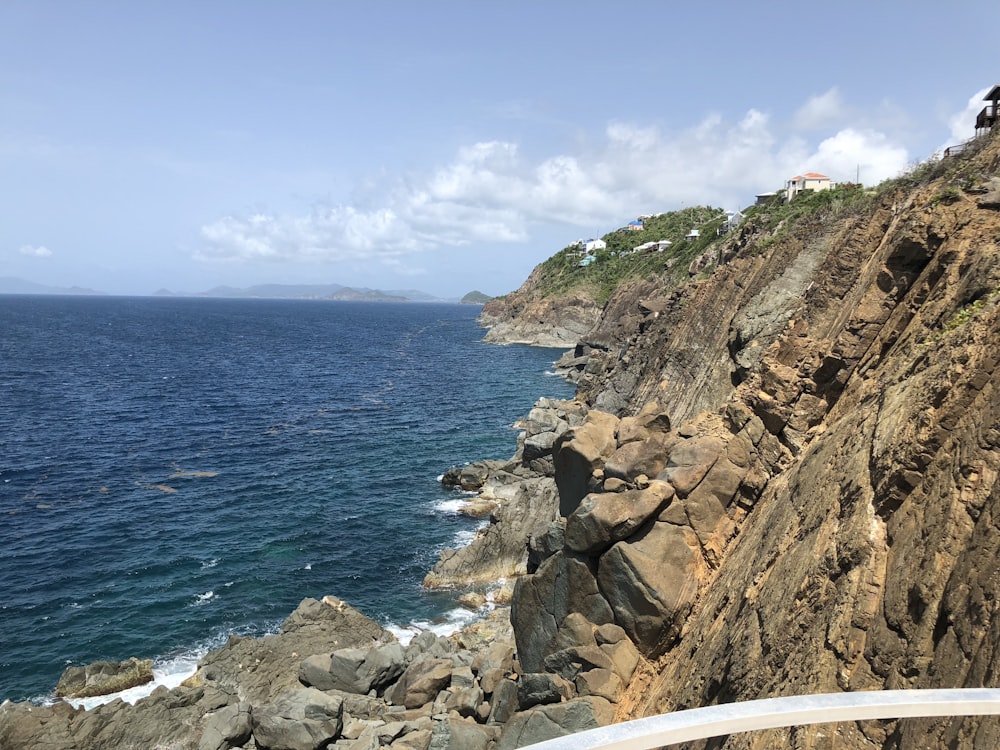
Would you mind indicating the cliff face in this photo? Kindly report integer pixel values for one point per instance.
(821, 515)
(528, 317)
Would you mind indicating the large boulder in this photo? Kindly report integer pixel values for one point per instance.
(304, 719)
(229, 727)
(421, 683)
(563, 584)
(104, 678)
(578, 453)
(606, 518)
(555, 720)
(354, 670)
(651, 583)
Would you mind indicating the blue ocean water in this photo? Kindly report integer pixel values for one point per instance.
(176, 470)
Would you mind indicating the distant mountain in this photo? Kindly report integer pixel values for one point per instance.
(313, 291)
(13, 285)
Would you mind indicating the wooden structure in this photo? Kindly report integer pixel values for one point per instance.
(986, 119)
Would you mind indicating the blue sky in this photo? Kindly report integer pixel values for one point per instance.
(441, 146)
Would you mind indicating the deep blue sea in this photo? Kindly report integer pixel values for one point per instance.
(173, 471)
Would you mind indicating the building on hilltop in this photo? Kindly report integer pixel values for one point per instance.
(733, 219)
(809, 181)
(990, 115)
(634, 226)
(591, 245)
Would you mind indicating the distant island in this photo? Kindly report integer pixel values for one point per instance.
(475, 298)
(13, 285)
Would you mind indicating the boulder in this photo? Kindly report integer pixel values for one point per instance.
(603, 519)
(639, 457)
(536, 688)
(503, 703)
(578, 452)
(104, 678)
(603, 683)
(563, 584)
(555, 720)
(459, 734)
(650, 421)
(651, 584)
(229, 727)
(690, 460)
(304, 719)
(354, 670)
(421, 683)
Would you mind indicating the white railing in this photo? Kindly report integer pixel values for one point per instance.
(770, 713)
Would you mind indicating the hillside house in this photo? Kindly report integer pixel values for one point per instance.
(693, 234)
(809, 181)
(733, 219)
(656, 245)
(586, 261)
(990, 115)
(761, 198)
(634, 226)
(593, 245)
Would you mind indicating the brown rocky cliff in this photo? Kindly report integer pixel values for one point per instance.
(526, 316)
(834, 471)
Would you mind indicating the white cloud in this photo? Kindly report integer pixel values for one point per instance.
(821, 111)
(853, 152)
(491, 193)
(963, 124)
(33, 251)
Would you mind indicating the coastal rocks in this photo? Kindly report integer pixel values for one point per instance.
(527, 317)
(354, 670)
(258, 668)
(304, 719)
(579, 453)
(555, 720)
(229, 727)
(104, 677)
(605, 518)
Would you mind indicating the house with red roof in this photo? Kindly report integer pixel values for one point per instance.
(809, 181)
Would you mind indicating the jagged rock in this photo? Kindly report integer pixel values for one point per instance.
(418, 740)
(259, 668)
(603, 519)
(543, 546)
(304, 719)
(229, 727)
(421, 682)
(624, 657)
(535, 688)
(104, 678)
(571, 661)
(563, 584)
(355, 670)
(504, 702)
(580, 451)
(500, 550)
(603, 683)
(555, 720)
(459, 734)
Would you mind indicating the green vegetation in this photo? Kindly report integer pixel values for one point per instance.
(617, 262)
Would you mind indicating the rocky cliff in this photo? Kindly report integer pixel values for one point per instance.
(820, 514)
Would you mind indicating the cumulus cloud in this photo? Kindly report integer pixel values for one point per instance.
(490, 192)
(821, 111)
(35, 251)
(963, 124)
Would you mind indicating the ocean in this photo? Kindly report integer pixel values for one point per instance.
(175, 471)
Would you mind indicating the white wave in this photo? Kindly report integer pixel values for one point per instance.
(451, 622)
(309, 566)
(210, 563)
(169, 673)
(454, 504)
(203, 598)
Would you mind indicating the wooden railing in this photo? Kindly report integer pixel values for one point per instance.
(771, 713)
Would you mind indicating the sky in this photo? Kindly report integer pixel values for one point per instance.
(441, 146)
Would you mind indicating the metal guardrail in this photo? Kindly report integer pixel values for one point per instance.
(771, 713)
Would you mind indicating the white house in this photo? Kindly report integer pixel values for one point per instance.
(592, 245)
(808, 181)
(693, 234)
